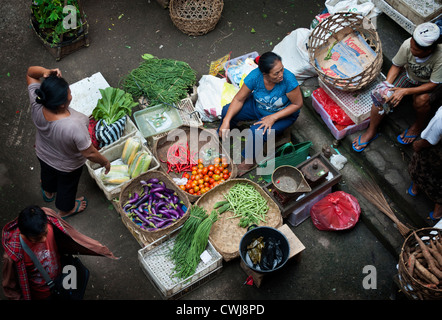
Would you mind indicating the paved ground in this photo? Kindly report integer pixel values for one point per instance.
(331, 267)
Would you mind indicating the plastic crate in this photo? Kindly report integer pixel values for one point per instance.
(233, 67)
(113, 154)
(417, 11)
(155, 261)
(357, 105)
(338, 134)
(302, 212)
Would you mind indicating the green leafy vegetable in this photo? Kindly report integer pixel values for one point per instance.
(113, 105)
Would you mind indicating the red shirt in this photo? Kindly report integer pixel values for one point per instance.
(47, 253)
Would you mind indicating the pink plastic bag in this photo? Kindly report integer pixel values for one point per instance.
(336, 211)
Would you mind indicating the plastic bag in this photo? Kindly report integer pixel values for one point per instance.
(294, 54)
(336, 211)
(337, 115)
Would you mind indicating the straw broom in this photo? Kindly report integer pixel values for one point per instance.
(373, 193)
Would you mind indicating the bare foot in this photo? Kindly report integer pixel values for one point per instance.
(437, 213)
(409, 135)
(360, 142)
(80, 205)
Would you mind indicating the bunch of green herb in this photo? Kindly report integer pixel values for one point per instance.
(160, 80)
(113, 105)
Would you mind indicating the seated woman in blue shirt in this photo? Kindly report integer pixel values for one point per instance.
(271, 96)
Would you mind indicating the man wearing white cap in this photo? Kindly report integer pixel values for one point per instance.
(416, 72)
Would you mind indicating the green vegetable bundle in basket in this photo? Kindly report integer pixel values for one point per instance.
(287, 154)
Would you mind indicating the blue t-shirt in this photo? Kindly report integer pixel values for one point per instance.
(270, 100)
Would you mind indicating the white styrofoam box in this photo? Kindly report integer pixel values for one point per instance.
(86, 93)
(303, 212)
(338, 134)
(113, 154)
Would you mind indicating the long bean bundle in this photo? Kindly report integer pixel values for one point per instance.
(188, 262)
(185, 236)
(160, 80)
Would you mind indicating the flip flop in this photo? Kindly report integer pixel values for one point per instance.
(363, 143)
(45, 197)
(76, 209)
(431, 216)
(401, 141)
(410, 191)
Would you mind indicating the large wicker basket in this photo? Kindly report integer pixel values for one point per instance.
(225, 234)
(335, 28)
(195, 17)
(145, 237)
(413, 287)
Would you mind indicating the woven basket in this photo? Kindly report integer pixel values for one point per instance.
(145, 237)
(225, 234)
(195, 17)
(162, 145)
(411, 286)
(335, 28)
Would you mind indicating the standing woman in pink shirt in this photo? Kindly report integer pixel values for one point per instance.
(62, 141)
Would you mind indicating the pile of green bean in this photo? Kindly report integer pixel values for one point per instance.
(247, 204)
(160, 81)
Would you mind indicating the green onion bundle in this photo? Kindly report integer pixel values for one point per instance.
(160, 80)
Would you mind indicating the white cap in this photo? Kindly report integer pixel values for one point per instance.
(426, 34)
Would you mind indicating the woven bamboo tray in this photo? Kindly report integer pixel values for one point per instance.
(162, 145)
(225, 234)
(145, 237)
(195, 17)
(414, 288)
(335, 28)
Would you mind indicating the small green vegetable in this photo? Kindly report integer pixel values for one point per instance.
(113, 105)
(220, 204)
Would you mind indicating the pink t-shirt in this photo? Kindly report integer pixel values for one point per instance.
(47, 253)
(59, 143)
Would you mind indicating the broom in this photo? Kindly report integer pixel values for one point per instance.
(373, 193)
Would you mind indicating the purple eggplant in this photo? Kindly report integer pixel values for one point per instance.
(153, 180)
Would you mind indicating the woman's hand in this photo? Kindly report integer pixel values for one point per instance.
(49, 72)
(224, 129)
(397, 96)
(266, 123)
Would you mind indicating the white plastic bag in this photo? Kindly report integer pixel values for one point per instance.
(213, 94)
(364, 7)
(294, 54)
(209, 92)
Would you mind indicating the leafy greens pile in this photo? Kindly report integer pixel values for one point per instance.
(113, 105)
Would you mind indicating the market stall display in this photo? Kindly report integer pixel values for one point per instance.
(147, 194)
(226, 232)
(346, 51)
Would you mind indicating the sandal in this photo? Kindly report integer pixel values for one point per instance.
(365, 144)
(45, 197)
(410, 191)
(76, 211)
(431, 216)
(401, 140)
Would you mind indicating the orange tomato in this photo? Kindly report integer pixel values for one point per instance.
(216, 177)
(183, 187)
(216, 171)
(211, 167)
(194, 168)
(201, 181)
(225, 176)
(200, 160)
(200, 165)
(194, 172)
(225, 171)
(217, 160)
(205, 170)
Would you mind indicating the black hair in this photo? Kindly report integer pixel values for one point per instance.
(53, 92)
(267, 61)
(32, 221)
